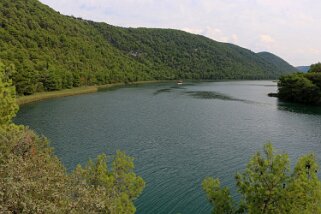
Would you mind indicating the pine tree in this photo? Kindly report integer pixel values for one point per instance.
(8, 105)
(268, 187)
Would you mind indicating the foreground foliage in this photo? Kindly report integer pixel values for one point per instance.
(8, 105)
(52, 52)
(268, 186)
(33, 180)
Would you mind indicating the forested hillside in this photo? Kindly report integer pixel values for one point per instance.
(44, 51)
(278, 64)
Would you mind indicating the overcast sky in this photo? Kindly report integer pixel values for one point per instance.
(290, 29)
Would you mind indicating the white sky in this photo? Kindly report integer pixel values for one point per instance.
(290, 29)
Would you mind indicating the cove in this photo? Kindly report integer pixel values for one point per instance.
(178, 135)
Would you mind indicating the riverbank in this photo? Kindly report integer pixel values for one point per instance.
(73, 92)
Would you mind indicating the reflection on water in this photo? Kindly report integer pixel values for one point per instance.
(178, 87)
(215, 95)
(211, 95)
(299, 108)
(163, 90)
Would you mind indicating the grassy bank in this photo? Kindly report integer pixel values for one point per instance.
(71, 92)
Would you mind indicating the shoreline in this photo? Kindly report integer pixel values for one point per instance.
(22, 100)
(40, 96)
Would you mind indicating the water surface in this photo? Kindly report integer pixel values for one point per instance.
(177, 134)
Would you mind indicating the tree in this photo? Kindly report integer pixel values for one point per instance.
(8, 105)
(115, 190)
(299, 87)
(219, 197)
(266, 186)
(315, 68)
(33, 180)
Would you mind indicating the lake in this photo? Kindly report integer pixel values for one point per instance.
(178, 135)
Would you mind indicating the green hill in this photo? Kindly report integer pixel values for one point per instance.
(51, 51)
(278, 64)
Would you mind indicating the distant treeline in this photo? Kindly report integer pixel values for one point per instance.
(302, 87)
(50, 51)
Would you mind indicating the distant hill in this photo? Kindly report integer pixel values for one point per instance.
(303, 68)
(277, 61)
(51, 51)
(193, 56)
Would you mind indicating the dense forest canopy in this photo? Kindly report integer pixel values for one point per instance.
(302, 87)
(50, 51)
(315, 68)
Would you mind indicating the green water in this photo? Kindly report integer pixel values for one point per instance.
(177, 134)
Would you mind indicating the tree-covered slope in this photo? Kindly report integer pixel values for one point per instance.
(189, 55)
(51, 51)
(277, 63)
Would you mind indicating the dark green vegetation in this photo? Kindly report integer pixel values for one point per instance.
(278, 64)
(51, 52)
(268, 186)
(32, 179)
(315, 68)
(302, 87)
